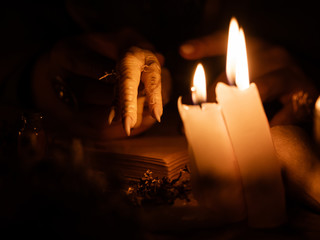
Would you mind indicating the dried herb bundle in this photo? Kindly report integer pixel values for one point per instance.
(153, 191)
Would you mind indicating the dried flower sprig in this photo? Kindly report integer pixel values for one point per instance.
(153, 191)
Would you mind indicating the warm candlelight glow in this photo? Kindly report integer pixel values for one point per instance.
(316, 123)
(199, 89)
(230, 143)
(318, 105)
(237, 63)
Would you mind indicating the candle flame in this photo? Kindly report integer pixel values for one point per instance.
(199, 89)
(232, 50)
(317, 105)
(237, 63)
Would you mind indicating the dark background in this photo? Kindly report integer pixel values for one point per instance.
(29, 28)
(58, 200)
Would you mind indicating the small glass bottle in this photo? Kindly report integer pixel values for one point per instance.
(32, 142)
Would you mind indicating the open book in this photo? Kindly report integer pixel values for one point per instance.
(163, 155)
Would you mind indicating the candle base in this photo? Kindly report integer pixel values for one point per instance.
(221, 195)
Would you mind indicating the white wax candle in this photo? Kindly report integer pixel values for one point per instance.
(249, 133)
(214, 157)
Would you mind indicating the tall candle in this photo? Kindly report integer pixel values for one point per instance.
(212, 154)
(249, 132)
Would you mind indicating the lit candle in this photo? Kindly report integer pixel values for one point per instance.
(211, 152)
(249, 133)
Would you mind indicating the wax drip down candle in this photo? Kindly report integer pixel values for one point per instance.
(249, 133)
(215, 174)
